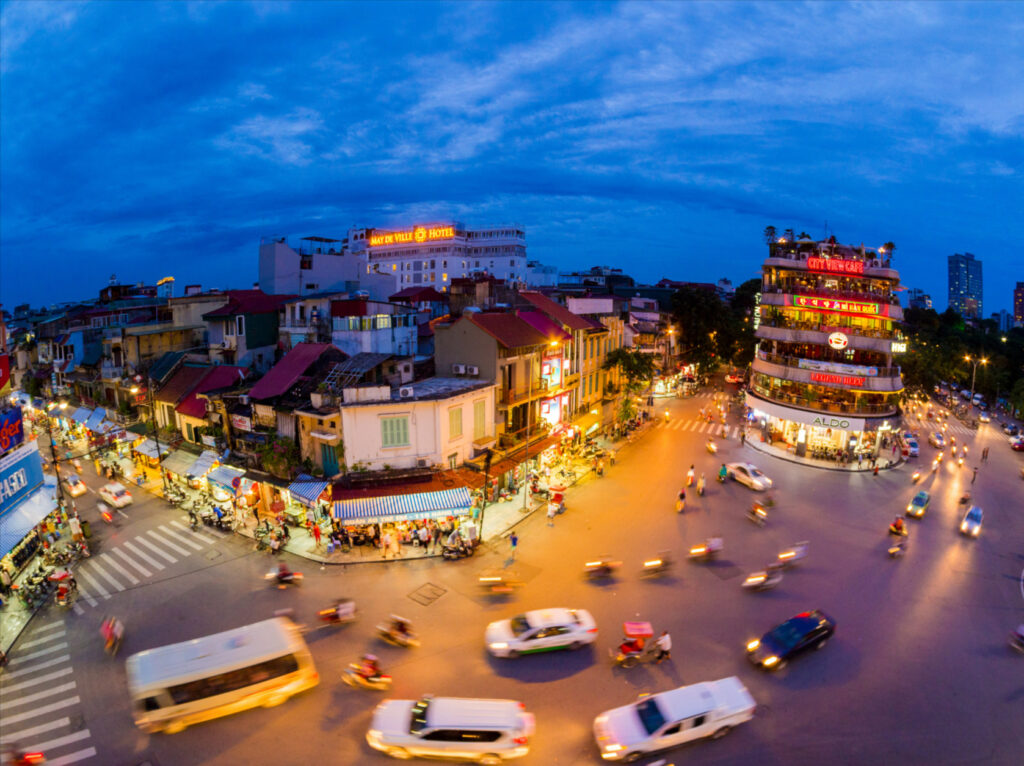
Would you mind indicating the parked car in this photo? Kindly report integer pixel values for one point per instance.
(541, 630)
(749, 475)
(1017, 444)
(668, 719)
(808, 630)
(116, 495)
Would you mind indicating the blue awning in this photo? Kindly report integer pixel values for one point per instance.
(421, 505)
(306, 490)
(18, 522)
(148, 448)
(203, 464)
(95, 421)
(180, 462)
(81, 414)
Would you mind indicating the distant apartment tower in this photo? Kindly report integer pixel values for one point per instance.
(919, 299)
(1018, 305)
(965, 287)
(1003, 320)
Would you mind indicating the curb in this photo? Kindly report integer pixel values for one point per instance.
(751, 444)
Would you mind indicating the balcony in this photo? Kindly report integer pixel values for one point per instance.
(861, 339)
(509, 398)
(774, 295)
(822, 404)
(873, 267)
(794, 361)
(885, 382)
(111, 371)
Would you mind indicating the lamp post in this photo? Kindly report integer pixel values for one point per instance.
(974, 362)
(156, 428)
(53, 449)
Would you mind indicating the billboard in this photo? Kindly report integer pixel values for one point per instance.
(21, 473)
(12, 429)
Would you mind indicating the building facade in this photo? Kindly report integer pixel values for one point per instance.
(919, 299)
(965, 284)
(828, 329)
(1018, 305)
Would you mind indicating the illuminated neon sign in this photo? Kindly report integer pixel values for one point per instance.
(836, 380)
(835, 265)
(836, 304)
(898, 347)
(417, 234)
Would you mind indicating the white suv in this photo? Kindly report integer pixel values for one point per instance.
(484, 731)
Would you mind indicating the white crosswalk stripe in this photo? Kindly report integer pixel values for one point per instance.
(46, 627)
(36, 681)
(20, 736)
(20, 658)
(144, 556)
(94, 586)
(9, 703)
(43, 640)
(157, 551)
(24, 672)
(160, 538)
(75, 757)
(128, 560)
(692, 426)
(36, 712)
(78, 608)
(180, 538)
(67, 739)
(96, 569)
(110, 561)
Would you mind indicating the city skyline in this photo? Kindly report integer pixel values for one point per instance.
(581, 123)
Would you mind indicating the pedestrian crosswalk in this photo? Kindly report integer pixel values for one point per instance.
(38, 696)
(703, 427)
(131, 563)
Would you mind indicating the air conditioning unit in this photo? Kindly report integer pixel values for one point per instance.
(472, 369)
(406, 392)
(459, 369)
(244, 398)
(421, 463)
(230, 342)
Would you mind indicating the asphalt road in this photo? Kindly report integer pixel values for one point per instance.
(918, 672)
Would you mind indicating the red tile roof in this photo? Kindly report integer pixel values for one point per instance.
(556, 311)
(508, 329)
(221, 376)
(285, 373)
(184, 380)
(543, 323)
(249, 302)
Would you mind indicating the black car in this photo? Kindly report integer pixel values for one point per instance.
(805, 631)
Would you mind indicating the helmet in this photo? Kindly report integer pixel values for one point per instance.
(370, 657)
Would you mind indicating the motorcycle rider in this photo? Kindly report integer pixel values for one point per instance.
(700, 485)
(369, 669)
(344, 609)
(897, 525)
(400, 628)
(722, 473)
(689, 477)
(284, 574)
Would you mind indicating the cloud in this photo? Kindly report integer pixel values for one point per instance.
(284, 139)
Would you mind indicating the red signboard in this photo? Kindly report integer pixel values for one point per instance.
(836, 380)
(840, 305)
(835, 265)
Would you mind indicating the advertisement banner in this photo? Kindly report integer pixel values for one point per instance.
(241, 423)
(839, 369)
(5, 374)
(12, 429)
(21, 473)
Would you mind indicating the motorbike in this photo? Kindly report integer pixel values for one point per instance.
(282, 580)
(722, 477)
(764, 580)
(193, 521)
(628, 654)
(960, 461)
(707, 550)
(899, 531)
(405, 639)
(354, 678)
(898, 550)
(757, 514)
(915, 476)
(935, 465)
(700, 486)
(458, 551)
(656, 566)
(22, 758)
(344, 612)
(794, 554)
(112, 631)
(497, 584)
(600, 568)
(1017, 639)
(106, 513)
(712, 447)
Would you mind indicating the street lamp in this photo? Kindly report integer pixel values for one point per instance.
(53, 449)
(156, 428)
(974, 362)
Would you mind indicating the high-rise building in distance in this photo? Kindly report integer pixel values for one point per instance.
(919, 299)
(965, 287)
(1018, 305)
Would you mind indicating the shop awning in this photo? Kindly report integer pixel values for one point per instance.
(126, 466)
(148, 448)
(225, 475)
(18, 521)
(203, 464)
(420, 505)
(81, 414)
(179, 462)
(95, 421)
(325, 436)
(305, 489)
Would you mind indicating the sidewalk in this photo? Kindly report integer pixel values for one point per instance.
(884, 463)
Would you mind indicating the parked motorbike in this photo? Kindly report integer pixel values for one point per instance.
(354, 678)
(600, 568)
(459, 550)
(794, 554)
(657, 566)
(764, 580)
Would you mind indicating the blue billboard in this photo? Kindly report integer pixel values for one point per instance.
(12, 429)
(21, 473)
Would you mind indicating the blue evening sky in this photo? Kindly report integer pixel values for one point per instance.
(152, 139)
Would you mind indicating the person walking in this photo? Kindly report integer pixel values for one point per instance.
(984, 454)
(551, 514)
(664, 644)
(743, 437)
(513, 541)
(436, 536)
(681, 501)
(316, 534)
(385, 543)
(975, 476)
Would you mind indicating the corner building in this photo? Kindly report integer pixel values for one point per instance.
(823, 379)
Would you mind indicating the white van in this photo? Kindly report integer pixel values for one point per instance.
(661, 721)
(484, 731)
(181, 684)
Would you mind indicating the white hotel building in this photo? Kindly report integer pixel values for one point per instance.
(435, 254)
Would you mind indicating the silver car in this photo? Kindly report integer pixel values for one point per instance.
(750, 475)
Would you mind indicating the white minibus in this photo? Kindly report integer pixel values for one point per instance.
(181, 684)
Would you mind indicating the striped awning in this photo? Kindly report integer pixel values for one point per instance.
(306, 490)
(203, 464)
(180, 462)
(81, 414)
(420, 505)
(95, 421)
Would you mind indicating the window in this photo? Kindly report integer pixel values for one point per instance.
(394, 431)
(697, 720)
(444, 277)
(672, 730)
(233, 680)
(454, 423)
(240, 325)
(453, 460)
(479, 418)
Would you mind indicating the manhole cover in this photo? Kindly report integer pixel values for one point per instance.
(427, 594)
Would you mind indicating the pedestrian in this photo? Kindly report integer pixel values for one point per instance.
(743, 437)
(664, 644)
(975, 476)
(984, 454)
(256, 515)
(423, 535)
(513, 540)
(875, 469)
(860, 459)
(76, 529)
(436, 536)
(551, 514)
(316, 534)
(386, 543)
(681, 501)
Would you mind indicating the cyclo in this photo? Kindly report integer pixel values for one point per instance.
(636, 646)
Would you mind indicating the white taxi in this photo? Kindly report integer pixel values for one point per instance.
(541, 630)
(116, 495)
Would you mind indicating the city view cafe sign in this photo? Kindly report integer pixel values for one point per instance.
(411, 236)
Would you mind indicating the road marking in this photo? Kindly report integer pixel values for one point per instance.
(79, 755)
(93, 585)
(67, 739)
(86, 596)
(158, 551)
(129, 560)
(40, 680)
(96, 569)
(18, 736)
(692, 426)
(78, 609)
(39, 641)
(42, 652)
(180, 538)
(145, 557)
(195, 533)
(160, 539)
(124, 572)
(8, 704)
(48, 626)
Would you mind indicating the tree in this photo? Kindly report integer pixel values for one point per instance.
(804, 235)
(889, 247)
(637, 368)
(789, 235)
(769, 234)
